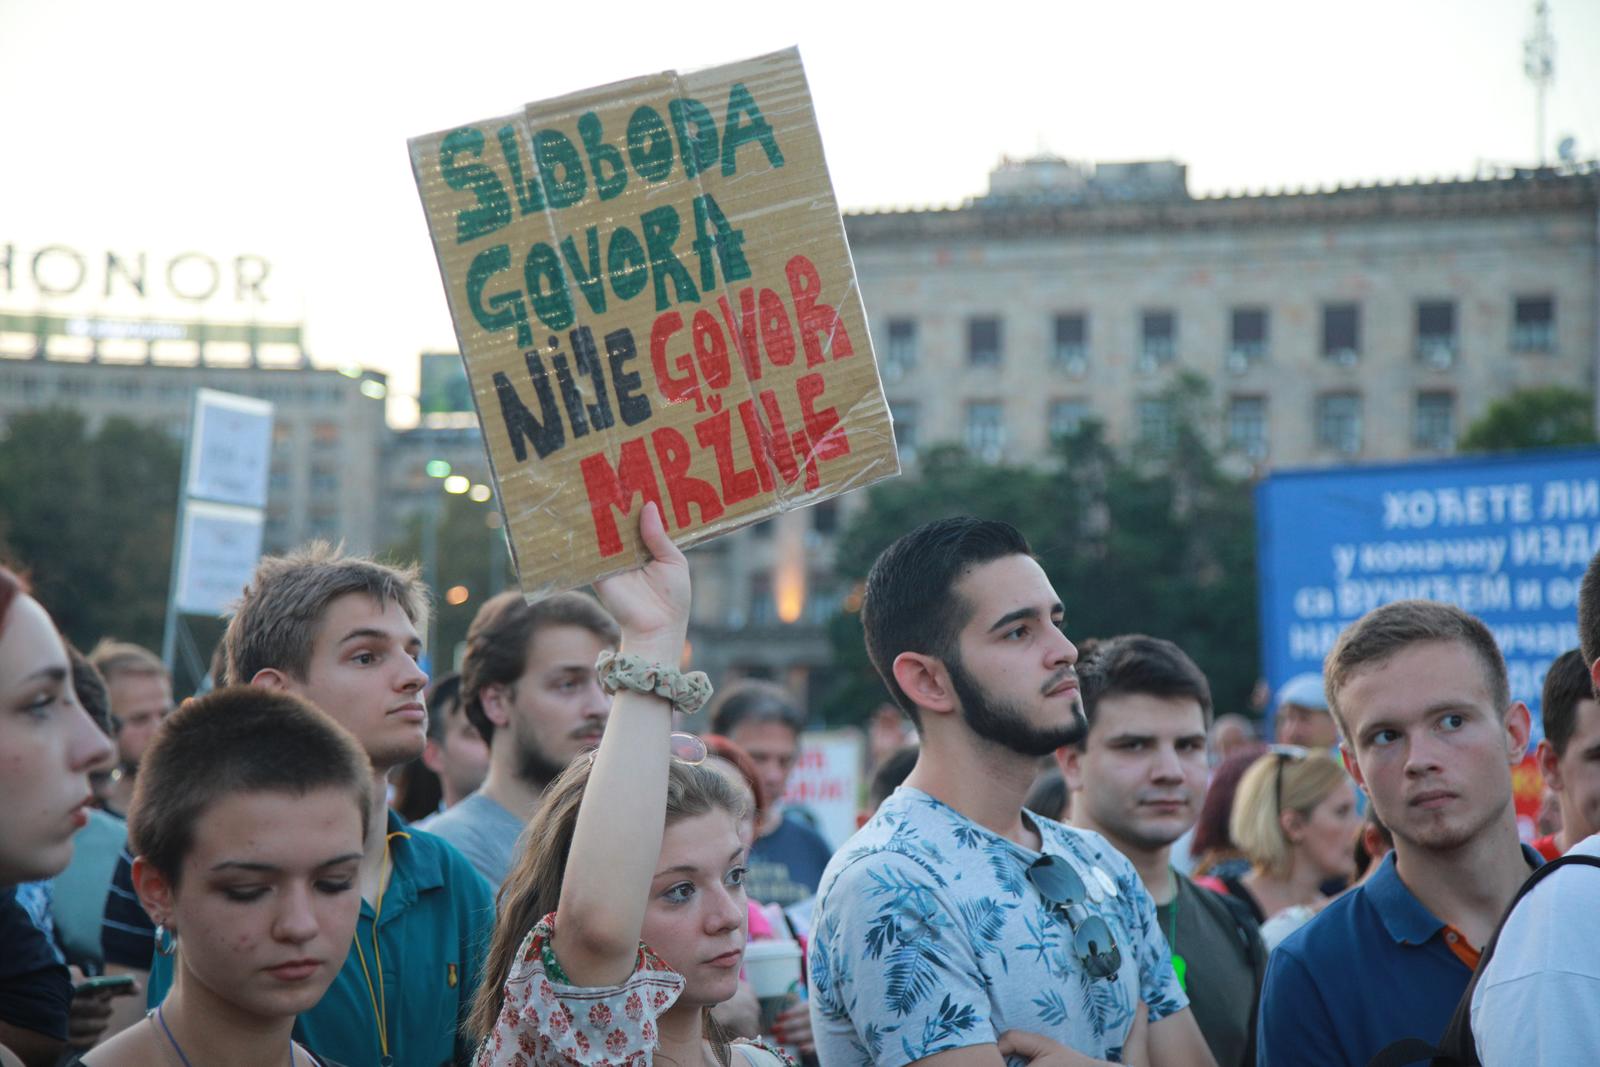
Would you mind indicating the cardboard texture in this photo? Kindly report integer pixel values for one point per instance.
(654, 299)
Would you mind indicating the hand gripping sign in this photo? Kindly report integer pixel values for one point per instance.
(655, 302)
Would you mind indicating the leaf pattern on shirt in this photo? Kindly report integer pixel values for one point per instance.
(928, 937)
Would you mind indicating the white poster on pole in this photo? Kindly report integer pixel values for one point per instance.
(827, 781)
(230, 449)
(221, 545)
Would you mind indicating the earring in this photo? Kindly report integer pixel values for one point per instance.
(166, 940)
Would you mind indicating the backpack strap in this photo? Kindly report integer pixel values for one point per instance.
(1457, 1047)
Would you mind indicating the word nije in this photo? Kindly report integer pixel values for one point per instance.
(690, 365)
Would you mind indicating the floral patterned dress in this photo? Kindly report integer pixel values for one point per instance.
(546, 1021)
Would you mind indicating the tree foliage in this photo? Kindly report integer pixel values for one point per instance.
(1156, 540)
(89, 517)
(1546, 417)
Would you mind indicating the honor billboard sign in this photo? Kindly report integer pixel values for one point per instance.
(52, 273)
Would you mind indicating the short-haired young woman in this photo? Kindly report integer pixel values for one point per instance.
(247, 823)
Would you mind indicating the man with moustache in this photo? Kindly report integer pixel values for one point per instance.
(1419, 691)
(955, 928)
(1137, 778)
(528, 684)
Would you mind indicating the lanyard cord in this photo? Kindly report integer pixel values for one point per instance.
(377, 994)
(1180, 966)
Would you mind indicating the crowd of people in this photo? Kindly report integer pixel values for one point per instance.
(1068, 857)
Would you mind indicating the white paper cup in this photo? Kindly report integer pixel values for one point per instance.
(773, 967)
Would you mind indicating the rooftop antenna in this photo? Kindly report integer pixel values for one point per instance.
(1539, 63)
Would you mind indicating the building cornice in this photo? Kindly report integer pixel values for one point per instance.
(1517, 193)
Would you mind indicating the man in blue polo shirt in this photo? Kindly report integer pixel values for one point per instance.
(1420, 694)
(341, 632)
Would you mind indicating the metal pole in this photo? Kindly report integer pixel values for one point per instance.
(169, 631)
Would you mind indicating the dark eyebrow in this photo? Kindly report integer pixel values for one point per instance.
(1019, 615)
(374, 634)
(689, 868)
(267, 868)
(54, 674)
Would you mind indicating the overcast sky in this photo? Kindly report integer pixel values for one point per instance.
(280, 130)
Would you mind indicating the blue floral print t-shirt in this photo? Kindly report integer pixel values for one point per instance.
(929, 937)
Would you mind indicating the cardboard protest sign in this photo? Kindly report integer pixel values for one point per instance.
(655, 302)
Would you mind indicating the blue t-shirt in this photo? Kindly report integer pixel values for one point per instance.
(786, 865)
(1371, 969)
(928, 937)
(432, 937)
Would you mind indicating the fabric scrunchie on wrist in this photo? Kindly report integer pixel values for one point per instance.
(686, 691)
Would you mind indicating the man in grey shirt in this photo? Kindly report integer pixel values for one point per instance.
(528, 684)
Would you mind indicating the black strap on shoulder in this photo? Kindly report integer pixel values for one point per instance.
(1458, 1048)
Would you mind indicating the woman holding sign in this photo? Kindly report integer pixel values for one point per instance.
(617, 934)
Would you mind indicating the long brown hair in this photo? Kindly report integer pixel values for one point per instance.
(533, 889)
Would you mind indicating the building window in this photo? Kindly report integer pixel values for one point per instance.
(1065, 417)
(901, 357)
(983, 342)
(325, 434)
(762, 531)
(1158, 338)
(1436, 333)
(1341, 333)
(825, 517)
(1156, 430)
(1071, 352)
(1436, 422)
(1247, 425)
(1533, 324)
(986, 433)
(903, 414)
(1247, 337)
(763, 606)
(1339, 422)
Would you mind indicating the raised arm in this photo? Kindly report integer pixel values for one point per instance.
(622, 818)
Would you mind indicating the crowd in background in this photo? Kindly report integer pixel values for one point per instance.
(330, 858)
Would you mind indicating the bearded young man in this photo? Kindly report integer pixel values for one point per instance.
(955, 928)
(528, 684)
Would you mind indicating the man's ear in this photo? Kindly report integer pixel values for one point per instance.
(433, 756)
(272, 678)
(496, 702)
(1549, 764)
(925, 680)
(1519, 727)
(154, 892)
(1351, 767)
(1070, 760)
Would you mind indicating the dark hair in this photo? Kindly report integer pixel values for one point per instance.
(247, 739)
(1136, 664)
(725, 748)
(11, 587)
(895, 769)
(1565, 683)
(753, 700)
(91, 689)
(277, 618)
(1211, 834)
(910, 603)
(1048, 796)
(501, 636)
(443, 701)
(1589, 612)
(1365, 859)
(1384, 632)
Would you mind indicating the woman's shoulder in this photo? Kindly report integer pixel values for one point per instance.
(758, 1053)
